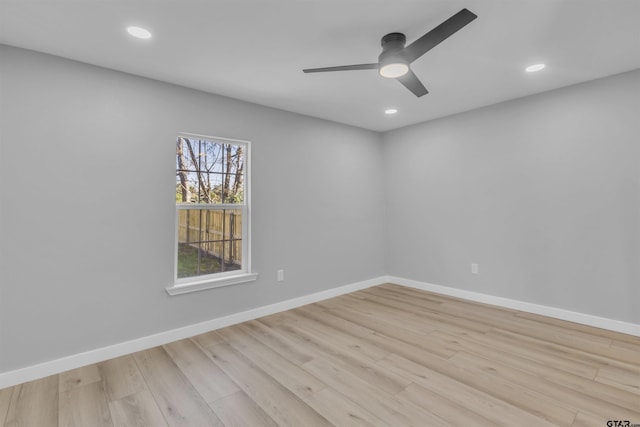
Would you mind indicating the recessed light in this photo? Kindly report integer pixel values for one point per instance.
(390, 111)
(139, 32)
(535, 67)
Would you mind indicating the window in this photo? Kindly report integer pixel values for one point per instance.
(212, 213)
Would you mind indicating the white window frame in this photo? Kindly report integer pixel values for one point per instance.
(227, 278)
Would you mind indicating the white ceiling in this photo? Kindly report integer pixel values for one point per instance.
(254, 50)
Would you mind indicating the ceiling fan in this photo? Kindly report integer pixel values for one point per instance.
(395, 59)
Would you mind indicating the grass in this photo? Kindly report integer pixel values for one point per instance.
(188, 262)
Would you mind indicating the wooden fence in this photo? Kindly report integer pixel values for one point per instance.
(217, 232)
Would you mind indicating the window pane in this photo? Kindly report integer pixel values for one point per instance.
(209, 263)
(232, 262)
(209, 241)
(209, 172)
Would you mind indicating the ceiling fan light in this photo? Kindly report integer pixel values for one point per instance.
(394, 70)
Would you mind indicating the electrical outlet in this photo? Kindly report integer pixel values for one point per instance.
(475, 269)
(280, 275)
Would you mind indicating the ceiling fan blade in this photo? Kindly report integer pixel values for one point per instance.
(440, 33)
(413, 83)
(343, 68)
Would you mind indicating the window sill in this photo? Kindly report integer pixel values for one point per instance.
(196, 285)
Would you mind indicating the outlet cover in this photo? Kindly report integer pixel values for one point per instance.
(475, 269)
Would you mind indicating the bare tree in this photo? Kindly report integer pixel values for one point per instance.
(182, 172)
(227, 174)
(205, 191)
(239, 166)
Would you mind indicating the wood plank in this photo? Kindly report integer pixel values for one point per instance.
(362, 368)
(454, 412)
(78, 377)
(523, 357)
(329, 318)
(411, 294)
(595, 389)
(584, 356)
(278, 342)
(5, 400)
(481, 403)
(624, 353)
(346, 340)
(274, 319)
(238, 410)
(210, 381)
(283, 371)
(422, 299)
(612, 335)
(601, 391)
(628, 342)
(624, 379)
(414, 295)
(341, 410)
(587, 420)
(176, 397)
(392, 300)
(208, 339)
(391, 344)
(412, 314)
(391, 409)
(547, 332)
(34, 403)
(333, 341)
(571, 398)
(138, 409)
(392, 331)
(121, 377)
(281, 404)
(323, 316)
(420, 319)
(520, 396)
(85, 406)
(538, 356)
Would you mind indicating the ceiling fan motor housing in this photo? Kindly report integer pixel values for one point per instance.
(392, 50)
(393, 41)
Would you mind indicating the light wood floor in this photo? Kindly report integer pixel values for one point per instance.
(385, 356)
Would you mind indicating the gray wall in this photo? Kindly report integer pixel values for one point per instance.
(86, 254)
(542, 192)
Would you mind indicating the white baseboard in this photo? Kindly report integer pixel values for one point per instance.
(29, 373)
(558, 313)
(18, 376)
